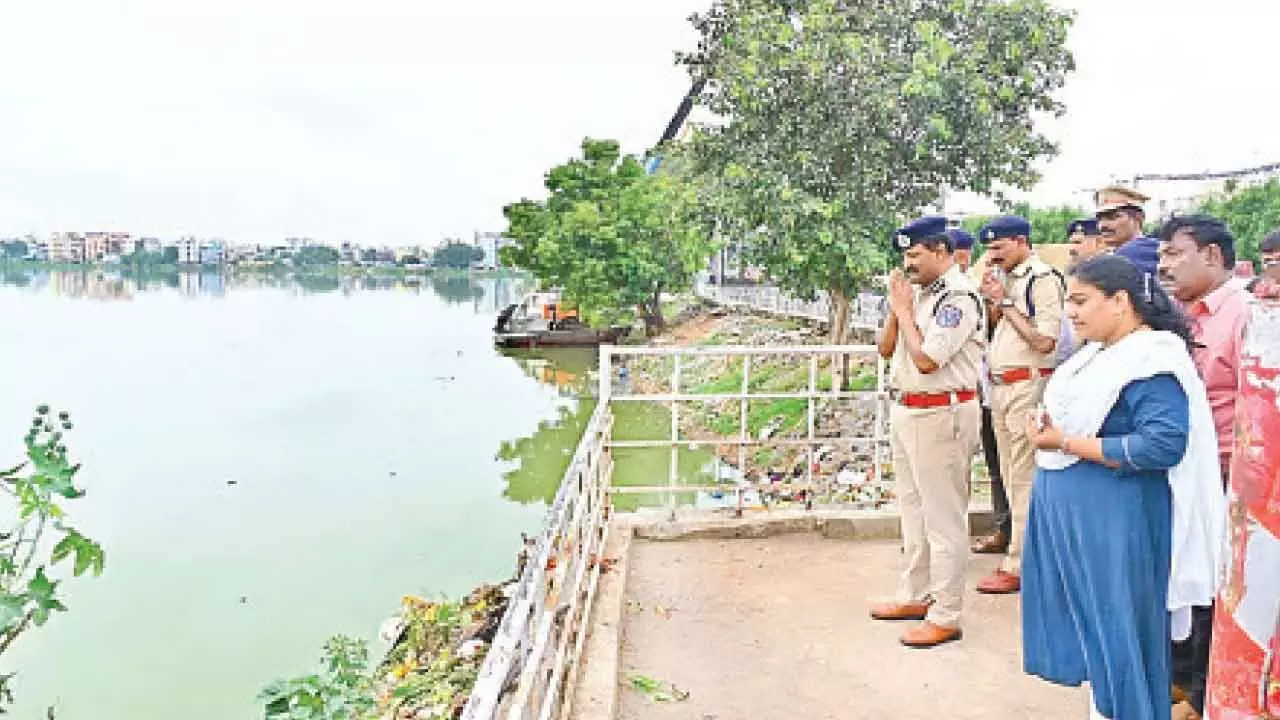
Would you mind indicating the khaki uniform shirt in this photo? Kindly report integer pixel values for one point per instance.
(950, 322)
(1008, 350)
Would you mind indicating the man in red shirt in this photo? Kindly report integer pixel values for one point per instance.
(1197, 256)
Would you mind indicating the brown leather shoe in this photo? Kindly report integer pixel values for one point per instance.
(997, 543)
(1000, 583)
(927, 635)
(900, 611)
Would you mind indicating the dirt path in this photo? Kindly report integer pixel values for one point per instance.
(694, 330)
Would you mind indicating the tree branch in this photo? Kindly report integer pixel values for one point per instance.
(13, 633)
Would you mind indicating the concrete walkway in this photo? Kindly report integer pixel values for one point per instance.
(776, 628)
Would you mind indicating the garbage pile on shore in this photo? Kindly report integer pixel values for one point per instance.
(842, 471)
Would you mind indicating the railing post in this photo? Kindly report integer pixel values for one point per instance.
(813, 391)
(743, 433)
(673, 471)
(605, 387)
(877, 445)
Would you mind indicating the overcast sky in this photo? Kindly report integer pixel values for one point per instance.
(384, 121)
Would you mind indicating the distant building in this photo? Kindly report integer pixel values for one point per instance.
(349, 253)
(66, 247)
(95, 246)
(407, 253)
(38, 251)
(188, 250)
(212, 253)
(120, 243)
(151, 245)
(491, 243)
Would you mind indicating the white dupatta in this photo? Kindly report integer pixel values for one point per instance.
(1078, 398)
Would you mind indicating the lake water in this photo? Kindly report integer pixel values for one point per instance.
(268, 463)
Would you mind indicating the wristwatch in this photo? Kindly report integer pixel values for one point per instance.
(1006, 302)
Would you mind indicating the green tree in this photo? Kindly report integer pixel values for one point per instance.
(41, 535)
(169, 255)
(317, 255)
(612, 236)
(1252, 213)
(13, 249)
(456, 255)
(845, 117)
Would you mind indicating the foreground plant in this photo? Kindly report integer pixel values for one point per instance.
(428, 673)
(342, 691)
(40, 536)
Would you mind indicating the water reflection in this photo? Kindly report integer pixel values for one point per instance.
(539, 460)
(487, 294)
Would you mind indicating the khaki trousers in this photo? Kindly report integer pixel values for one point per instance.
(932, 454)
(1012, 407)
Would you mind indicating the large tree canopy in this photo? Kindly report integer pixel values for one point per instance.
(1251, 213)
(612, 236)
(842, 117)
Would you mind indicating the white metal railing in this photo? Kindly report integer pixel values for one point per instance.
(675, 394)
(531, 667)
(867, 309)
(532, 663)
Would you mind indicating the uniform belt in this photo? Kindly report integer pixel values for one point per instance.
(1008, 377)
(933, 399)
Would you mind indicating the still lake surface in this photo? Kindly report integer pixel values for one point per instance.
(270, 462)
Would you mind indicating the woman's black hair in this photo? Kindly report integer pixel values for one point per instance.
(1113, 273)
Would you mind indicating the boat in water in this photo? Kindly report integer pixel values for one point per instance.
(542, 319)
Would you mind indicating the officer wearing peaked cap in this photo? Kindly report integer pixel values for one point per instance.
(933, 338)
(1025, 297)
(1120, 215)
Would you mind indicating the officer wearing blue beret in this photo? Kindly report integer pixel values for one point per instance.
(1085, 240)
(963, 243)
(933, 339)
(1025, 297)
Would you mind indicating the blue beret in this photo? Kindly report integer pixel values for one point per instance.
(1005, 226)
(918, 230)
(961, 239)
(1088, 226)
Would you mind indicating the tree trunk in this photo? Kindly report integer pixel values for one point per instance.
(840, 307)
(837, 336)
(654, 323)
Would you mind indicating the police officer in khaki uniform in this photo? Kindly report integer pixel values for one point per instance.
(1024, 299)
(1085, 240)
(933, 336)
(963, 254)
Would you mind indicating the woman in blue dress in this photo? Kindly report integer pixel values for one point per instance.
(1120, 414)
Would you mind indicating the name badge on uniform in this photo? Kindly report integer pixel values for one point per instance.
(949, 316)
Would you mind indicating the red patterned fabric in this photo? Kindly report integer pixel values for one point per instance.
(1244, 667)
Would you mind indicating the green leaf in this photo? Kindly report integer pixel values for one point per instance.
(40, 586)
(645, 683)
